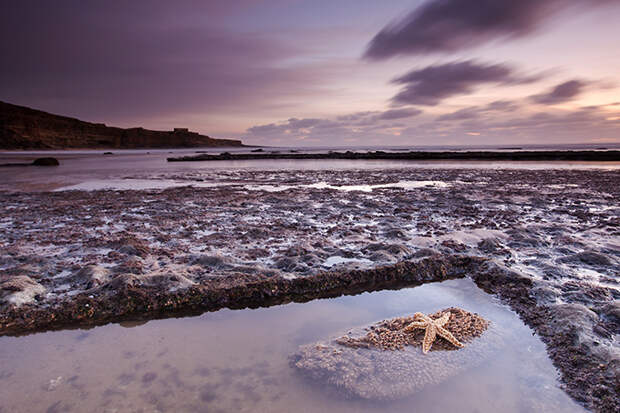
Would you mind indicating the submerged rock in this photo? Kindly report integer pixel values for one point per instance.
(358, 365)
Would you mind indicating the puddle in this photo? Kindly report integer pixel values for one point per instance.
(237, 360)
(336, 259)
(132, 184)
(141, 184)
(347, 188)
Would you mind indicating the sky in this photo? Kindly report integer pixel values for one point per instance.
(324, 73)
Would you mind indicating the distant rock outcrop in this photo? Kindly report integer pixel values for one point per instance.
(25, 128)
(45, 162)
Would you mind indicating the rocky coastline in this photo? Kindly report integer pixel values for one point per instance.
(26, 128)
(544, 242)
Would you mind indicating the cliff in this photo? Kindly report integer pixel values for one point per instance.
(25, 128)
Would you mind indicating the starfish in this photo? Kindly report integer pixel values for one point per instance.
(433, 328)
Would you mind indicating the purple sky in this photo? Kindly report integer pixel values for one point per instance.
(306, 73)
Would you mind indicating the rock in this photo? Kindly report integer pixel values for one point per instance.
(46, 162)
(215, 261)
(166, 280)
(589, 258)
(610, 312)
(375, 374)
(491, 246)
(381, 257)
(584, 293)
(286, 264)
(132, 246)
(395, 233)
(391, 252)
(19, 290)
(133, 265)
(92, 276)
(54, 383)
(425, 252)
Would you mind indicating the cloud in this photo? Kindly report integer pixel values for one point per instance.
(553, 126)
(497, 123)
(429, 86)
(451, 25)
(399, 113)
(462, 114)
(561, 93)
(473, 112)
(367, 125)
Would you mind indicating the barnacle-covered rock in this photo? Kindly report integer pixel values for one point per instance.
(359, 364)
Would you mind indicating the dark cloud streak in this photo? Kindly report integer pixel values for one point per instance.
(561, 93)
(431, 85)
(399, 114)
(452, 25)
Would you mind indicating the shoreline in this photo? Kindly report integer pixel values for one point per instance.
(547, 238)
(589, 155)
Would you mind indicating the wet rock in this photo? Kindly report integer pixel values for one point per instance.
(396, 233)
(579, 323)
(544, 294)
(167, 281)
(132, 246)
(92, 276)
(46, 162)
(256, 269)
(492, 246)
(122, 281)
(551, 272)
(214, 261)
(519, 238)
(610, 313)
(286, 264)
(382, 257)
(392, 251)
(587, 257)
(19, 290)
(425, 252)
(584, 292)
(134, 265)
(454, 246)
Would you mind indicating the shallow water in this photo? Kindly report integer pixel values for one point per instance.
(92, 167)
(237, 360)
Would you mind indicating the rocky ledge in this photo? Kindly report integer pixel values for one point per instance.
(599, 155)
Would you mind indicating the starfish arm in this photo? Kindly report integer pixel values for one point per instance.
(421, 317)
(415, 324)
(448, 336)
(429, 337)
(441, 321)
